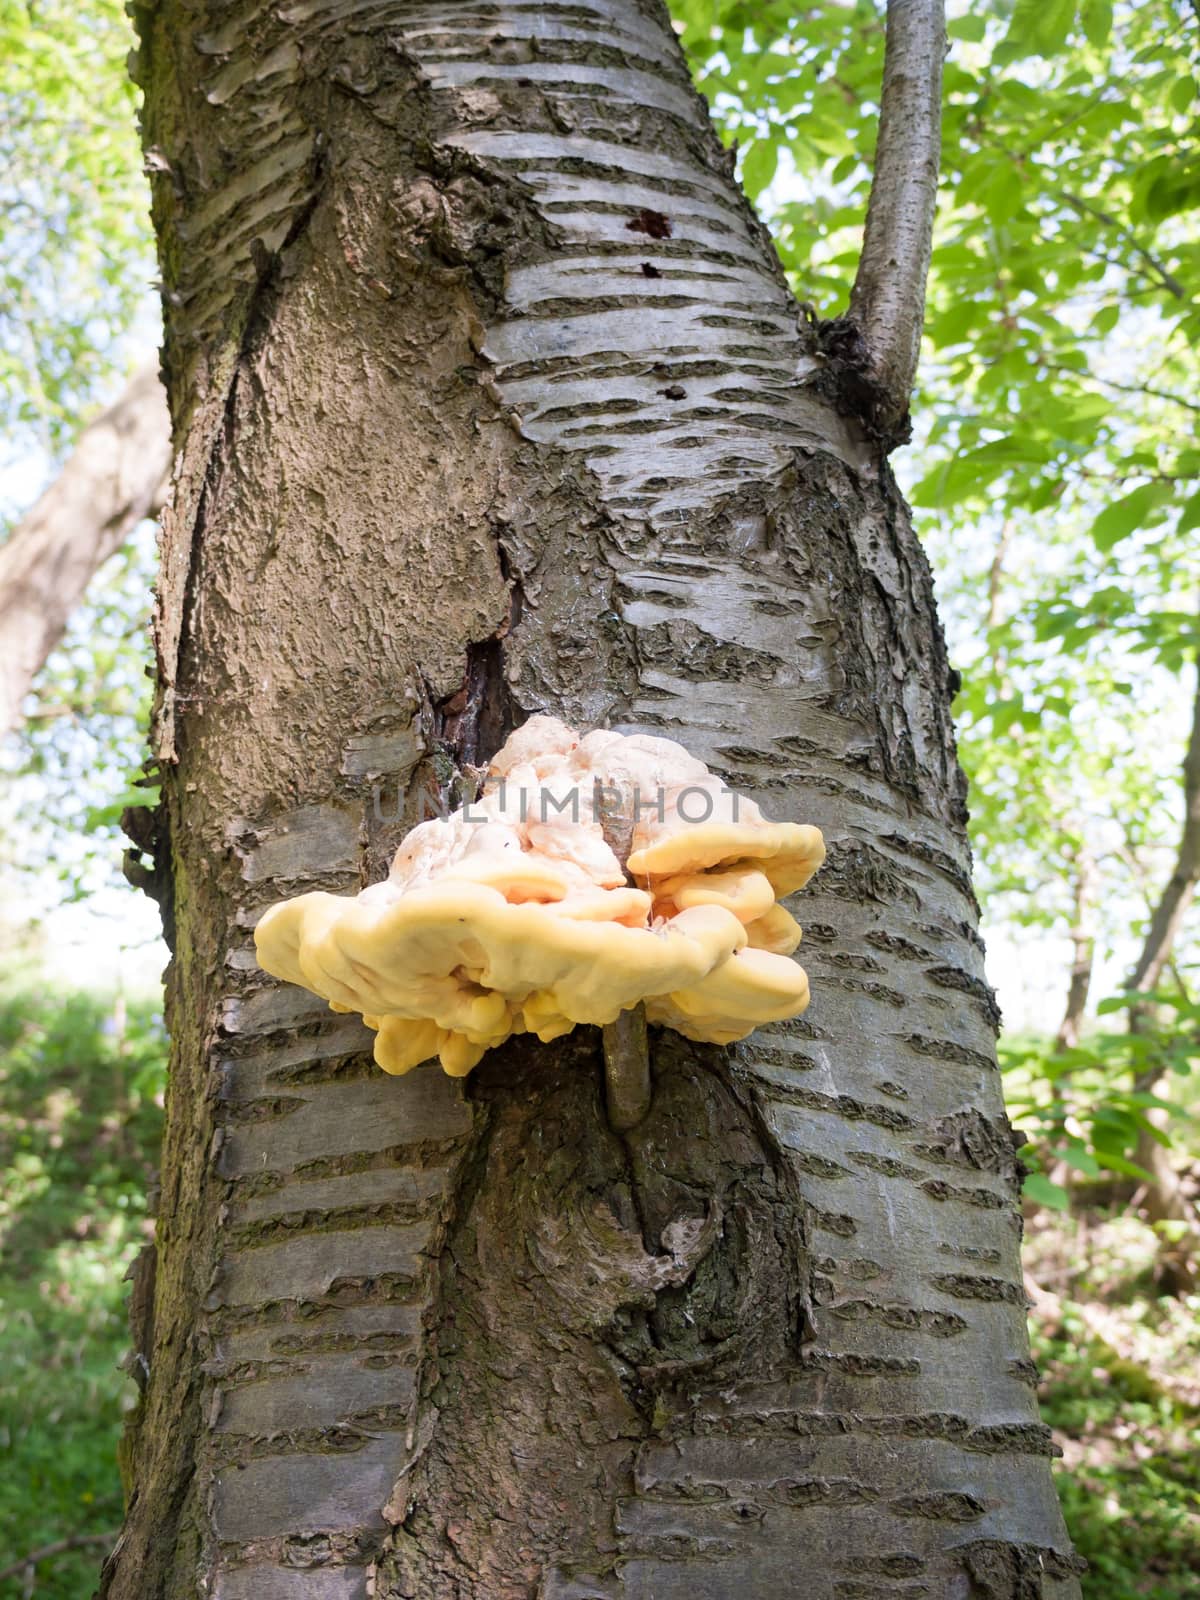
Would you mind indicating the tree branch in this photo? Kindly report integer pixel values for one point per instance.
(77, 1541)
(1123, 388)
(1164, 278)
(1167, 280)
(115, 476)
(887, 303)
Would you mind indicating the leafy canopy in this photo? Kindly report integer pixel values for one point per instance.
(75, 252)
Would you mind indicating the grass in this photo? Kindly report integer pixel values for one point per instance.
(80, 1079)
(80, 1090)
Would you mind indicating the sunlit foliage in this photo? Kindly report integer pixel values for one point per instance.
(75, 252)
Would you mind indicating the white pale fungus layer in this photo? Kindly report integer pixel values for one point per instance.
(514, 915)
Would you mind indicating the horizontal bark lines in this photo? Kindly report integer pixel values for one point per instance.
(514, 416)
(885, 1096)
(658, 338)
(333, 1181)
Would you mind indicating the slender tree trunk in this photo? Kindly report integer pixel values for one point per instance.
(491, 399)
(1083, 950)
(113, 478)
(1180, 890)
(1163, 1199)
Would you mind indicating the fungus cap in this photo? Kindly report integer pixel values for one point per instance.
(514, 914)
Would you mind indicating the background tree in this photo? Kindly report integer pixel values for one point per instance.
(76, 264)
(114, 479)
(489, 398)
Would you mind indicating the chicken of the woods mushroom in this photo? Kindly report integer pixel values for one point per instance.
(516, 914)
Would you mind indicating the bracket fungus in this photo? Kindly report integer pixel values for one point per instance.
(594, 874)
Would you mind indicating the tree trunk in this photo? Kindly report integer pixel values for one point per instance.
(1083, 950)
(1163, 1199)
(491, 399)
(1083, 953)
(113, 478)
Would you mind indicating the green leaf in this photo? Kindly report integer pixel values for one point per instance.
(1105, 320)
(1038, 1188)
(758, 166)
(1097, 17)
(1172, 1231)
(1118, 1002)
(1076, 1155)
(1189, 516)
(1126, 515)
(970, 28)
(109, 815)
(1112, 1162)
(1040, 27)
(1001, 195)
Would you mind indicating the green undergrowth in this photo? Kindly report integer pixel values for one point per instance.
(80, 1093)
(1135, 1516)
(1121, 1390)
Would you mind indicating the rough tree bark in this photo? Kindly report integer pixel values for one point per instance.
(491, 398)
(113, 478)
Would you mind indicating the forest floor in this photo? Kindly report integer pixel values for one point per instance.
(80, 1090)
(1121, 1389)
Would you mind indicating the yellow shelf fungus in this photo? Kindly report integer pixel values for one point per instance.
(515, 914)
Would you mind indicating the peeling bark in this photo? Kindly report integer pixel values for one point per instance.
(448, 456)
(113, 479)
